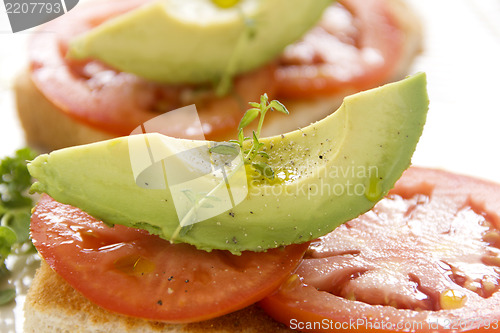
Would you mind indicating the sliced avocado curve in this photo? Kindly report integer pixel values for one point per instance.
(326, 174)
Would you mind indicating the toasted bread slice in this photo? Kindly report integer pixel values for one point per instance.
(53, 306)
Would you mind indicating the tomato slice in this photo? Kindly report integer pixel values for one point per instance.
(118, 102)
(425, 259)
(356, 46)
(131, 272)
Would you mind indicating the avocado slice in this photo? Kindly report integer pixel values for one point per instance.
(162, 41)
(326, 174)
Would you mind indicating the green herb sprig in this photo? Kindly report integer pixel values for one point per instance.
(257, 110)
(15, 211)
(234, 148)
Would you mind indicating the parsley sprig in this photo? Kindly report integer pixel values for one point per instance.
(257, 110)
(15, 211)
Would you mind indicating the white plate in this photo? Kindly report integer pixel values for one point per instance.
(23, 269)
(462, 132)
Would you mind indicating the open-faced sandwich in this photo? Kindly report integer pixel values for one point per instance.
(133, 258)
(106, 67)
(182, 243)
(317, 229)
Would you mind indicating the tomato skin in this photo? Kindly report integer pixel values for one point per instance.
(351, 56)
(299, 301)
(131, 272)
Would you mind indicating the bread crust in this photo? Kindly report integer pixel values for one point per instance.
(53, 306)
(48, 127)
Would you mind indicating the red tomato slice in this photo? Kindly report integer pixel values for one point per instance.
(425, 259)
(355, 47)
(118, 102)
(131, 272)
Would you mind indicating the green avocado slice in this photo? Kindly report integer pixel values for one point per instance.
(326, 174)
(163, 40)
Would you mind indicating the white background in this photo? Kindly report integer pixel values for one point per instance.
(462, 61)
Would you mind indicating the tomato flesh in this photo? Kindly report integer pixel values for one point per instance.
(131, 272)
(356, 46)
(426, 258)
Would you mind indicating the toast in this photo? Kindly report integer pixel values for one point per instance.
(53, 306)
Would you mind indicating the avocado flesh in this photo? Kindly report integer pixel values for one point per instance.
(327, 173)
(162, 41)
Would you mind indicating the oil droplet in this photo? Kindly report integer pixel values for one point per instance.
(374, 190)
(492, 237)
(452, 299)
(225, 3)
(351, 296)
(284, 176)
(290, 284)
(94, 241)
(134, 265)
(281, 176)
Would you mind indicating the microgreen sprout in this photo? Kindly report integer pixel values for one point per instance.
(233, 148)
(257, 110)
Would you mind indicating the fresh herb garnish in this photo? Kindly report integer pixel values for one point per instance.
(15, 211)
(233, 148)
(257, 110)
